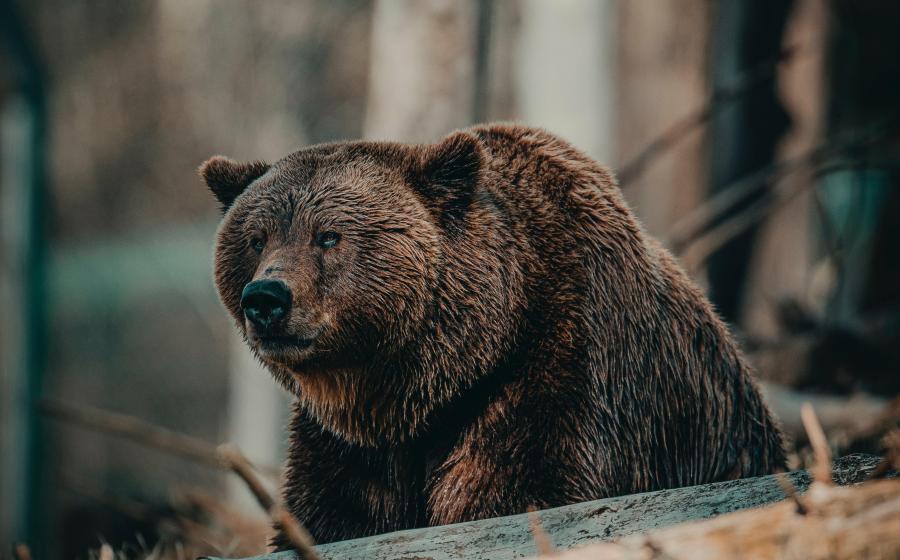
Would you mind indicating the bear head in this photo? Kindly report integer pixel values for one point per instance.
(331, 262)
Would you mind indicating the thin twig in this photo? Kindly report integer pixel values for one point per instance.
(685, 231)
(711, 241)
(541, 538)
(788, 487)
(693, 231)
(224, 456)
(720, 98)
(232, 458)
(821, 469)
(140, 431)
(296, 534)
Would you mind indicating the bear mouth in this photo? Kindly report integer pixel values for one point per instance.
(279, 344)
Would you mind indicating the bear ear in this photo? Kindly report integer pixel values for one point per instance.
(448, 172)
(227, 179)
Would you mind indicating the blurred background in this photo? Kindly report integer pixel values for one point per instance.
(758, 140)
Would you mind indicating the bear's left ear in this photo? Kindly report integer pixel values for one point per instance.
(227, 179)
(448, 172)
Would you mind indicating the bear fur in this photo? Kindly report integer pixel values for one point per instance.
(493, 331)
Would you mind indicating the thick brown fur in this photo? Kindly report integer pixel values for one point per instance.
(493, 331)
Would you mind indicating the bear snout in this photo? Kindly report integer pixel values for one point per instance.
(266, 303)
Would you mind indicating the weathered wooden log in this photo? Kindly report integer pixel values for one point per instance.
(833, 523)
(582, 524)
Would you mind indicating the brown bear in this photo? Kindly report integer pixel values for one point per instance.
(474, 327)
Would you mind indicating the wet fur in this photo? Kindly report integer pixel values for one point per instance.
(500, 333)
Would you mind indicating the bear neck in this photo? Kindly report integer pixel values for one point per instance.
(394, 402)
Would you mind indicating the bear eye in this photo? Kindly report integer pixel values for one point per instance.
(258, 243)
(327, 239)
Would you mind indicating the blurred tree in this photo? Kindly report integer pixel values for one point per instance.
(23, 326)
(422, 69)
(661, 81)
(744, 133)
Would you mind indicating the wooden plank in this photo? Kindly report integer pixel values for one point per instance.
(579, 524)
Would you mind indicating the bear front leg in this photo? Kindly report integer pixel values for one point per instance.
(342, 491)
(532, 454)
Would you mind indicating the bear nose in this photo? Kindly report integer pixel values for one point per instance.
(265, 302)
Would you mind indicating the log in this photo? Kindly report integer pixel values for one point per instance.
(585, 523)
(834, 524)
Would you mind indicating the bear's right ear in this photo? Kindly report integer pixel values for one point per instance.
(448, 174)
(227, 179)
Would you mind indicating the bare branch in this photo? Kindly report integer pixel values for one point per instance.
(141, 432)
(225, 456)
(696, 230)
(298, 536)
(791, 492)
(689, 230)
(232, 458)
(745, 83)
(821, 470)
(541, 538)
(296, 533)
